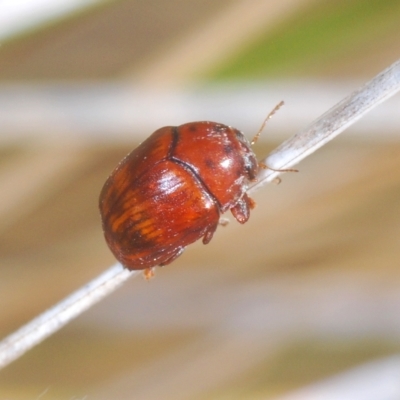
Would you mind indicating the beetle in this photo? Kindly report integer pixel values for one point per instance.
(172, 189)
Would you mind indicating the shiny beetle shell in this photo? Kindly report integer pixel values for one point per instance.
(171, 190)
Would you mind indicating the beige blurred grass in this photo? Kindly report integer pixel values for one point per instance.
(332, 227)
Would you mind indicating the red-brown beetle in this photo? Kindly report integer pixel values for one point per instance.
(171, 190)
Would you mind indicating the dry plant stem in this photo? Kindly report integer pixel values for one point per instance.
(60, 314)
(286, 155)
(330, 124)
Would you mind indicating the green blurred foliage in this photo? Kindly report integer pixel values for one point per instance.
(314, 36)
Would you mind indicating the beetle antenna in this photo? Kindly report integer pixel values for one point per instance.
(264, 166)
(275, 109)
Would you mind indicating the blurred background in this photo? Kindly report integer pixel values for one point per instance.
(303, 301)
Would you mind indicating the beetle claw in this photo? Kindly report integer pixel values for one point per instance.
(148, 273)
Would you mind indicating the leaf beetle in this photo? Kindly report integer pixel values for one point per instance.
(172, 189)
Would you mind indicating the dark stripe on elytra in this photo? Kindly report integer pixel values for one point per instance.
(189, 168)
(128, 182)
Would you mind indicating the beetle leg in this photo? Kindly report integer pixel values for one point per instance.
(148, 273)
(241, 210)
(173, 257)
(210, 233)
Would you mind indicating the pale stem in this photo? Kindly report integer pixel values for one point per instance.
(331, 123)
(44, 325)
